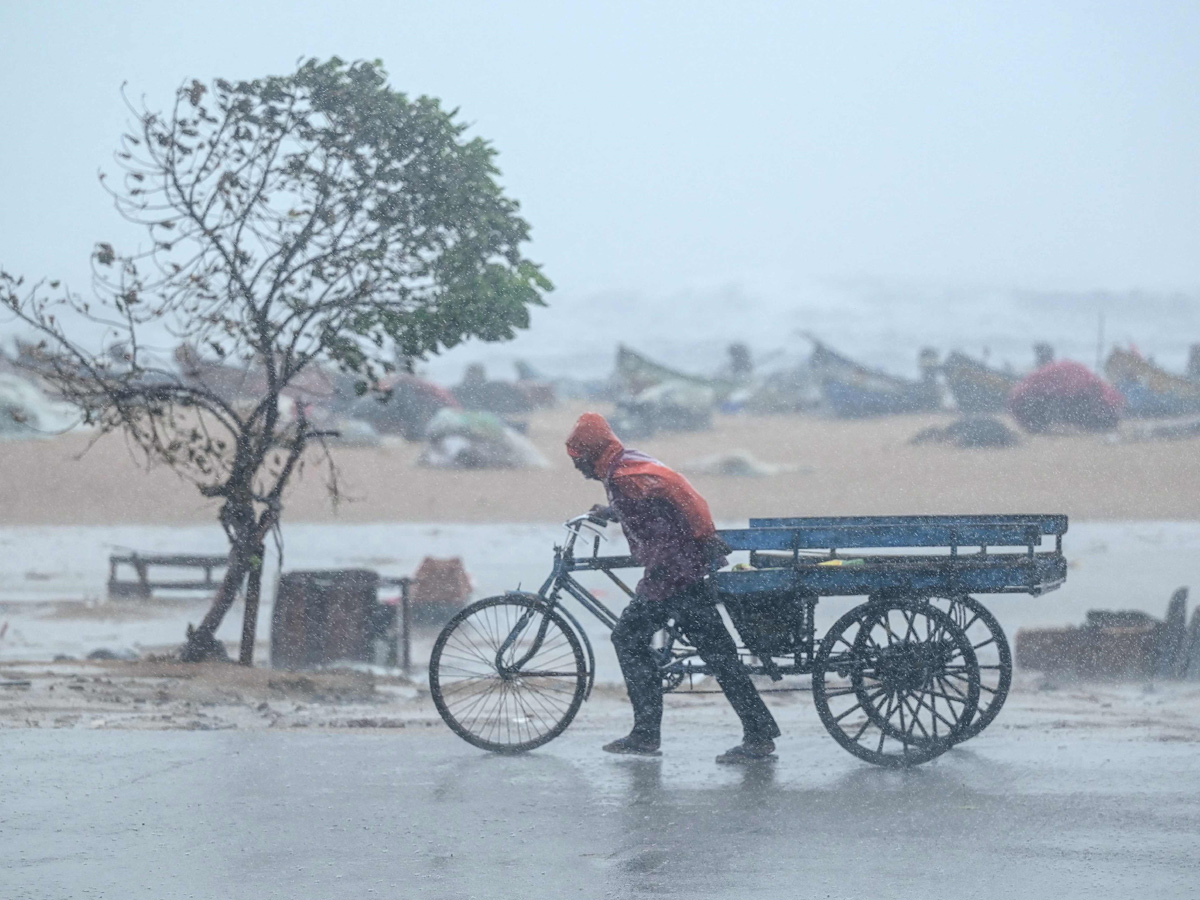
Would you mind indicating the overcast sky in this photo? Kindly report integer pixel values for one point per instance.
(662, 146)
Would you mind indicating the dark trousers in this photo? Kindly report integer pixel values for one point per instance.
(696, 615)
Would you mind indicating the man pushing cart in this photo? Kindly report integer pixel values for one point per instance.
(916, 668)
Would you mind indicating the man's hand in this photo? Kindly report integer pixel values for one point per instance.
(715, 549)
(607, 513)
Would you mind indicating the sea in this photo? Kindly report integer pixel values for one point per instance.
(883, 324)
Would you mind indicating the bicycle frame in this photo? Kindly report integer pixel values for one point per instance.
(549, 595)
(675, 666)
(565, 563)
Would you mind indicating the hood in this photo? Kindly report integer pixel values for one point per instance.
(592, 439)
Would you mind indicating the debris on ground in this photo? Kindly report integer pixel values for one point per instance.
(737, 464)
(103, 653)
(1121, 644)
(167, 695)
(971, 432)
(1162, 431)
(200, 647)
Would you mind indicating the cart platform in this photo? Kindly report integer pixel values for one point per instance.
(944, 555)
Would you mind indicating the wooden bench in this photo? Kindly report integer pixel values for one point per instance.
(142, 586)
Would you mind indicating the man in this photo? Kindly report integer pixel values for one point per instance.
(671, 534)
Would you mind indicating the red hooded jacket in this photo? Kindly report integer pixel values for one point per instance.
(667, 523)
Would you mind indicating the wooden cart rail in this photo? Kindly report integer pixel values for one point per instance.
(830, 537)
(1050, 523)
(898, 531)
(911, 531)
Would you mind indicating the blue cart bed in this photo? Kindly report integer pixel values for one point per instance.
(939, 555)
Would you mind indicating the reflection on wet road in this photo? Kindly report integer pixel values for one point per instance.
(254, 815)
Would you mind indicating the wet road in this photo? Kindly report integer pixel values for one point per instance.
(420, 814)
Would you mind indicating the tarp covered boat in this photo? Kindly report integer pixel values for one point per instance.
(1149, 391)
(975, 386)
(1065, 394)
(854, 391)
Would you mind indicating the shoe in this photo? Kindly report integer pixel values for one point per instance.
(633, 746)
(748, 752)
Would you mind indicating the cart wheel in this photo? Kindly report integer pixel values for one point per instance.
(895, 682)
(507, 674)
(991, 649)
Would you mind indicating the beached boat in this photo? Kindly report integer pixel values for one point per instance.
(636, 373)
(976, 387)
(1149, 391)
(854, 391)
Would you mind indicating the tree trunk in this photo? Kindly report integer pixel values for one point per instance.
(241, 526)
(247, 535)
(250, 619)
(202, 643)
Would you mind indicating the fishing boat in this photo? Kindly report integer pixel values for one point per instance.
(1150, 392)
(636, 373)
(854, 391)
(975, 386)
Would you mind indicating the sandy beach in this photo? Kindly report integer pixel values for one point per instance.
(840, 468)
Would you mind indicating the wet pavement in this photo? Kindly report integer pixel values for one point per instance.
(418, 813)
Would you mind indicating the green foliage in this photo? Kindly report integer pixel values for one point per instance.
(342, 215)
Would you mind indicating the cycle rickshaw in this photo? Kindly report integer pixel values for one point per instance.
(918, 667)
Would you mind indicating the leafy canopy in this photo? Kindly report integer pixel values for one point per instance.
(321, 213)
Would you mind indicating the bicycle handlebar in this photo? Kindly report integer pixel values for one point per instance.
(594, 524)
(588, 518)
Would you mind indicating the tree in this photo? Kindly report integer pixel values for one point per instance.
(315, 218)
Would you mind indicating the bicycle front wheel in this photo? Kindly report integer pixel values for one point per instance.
(507, 674)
